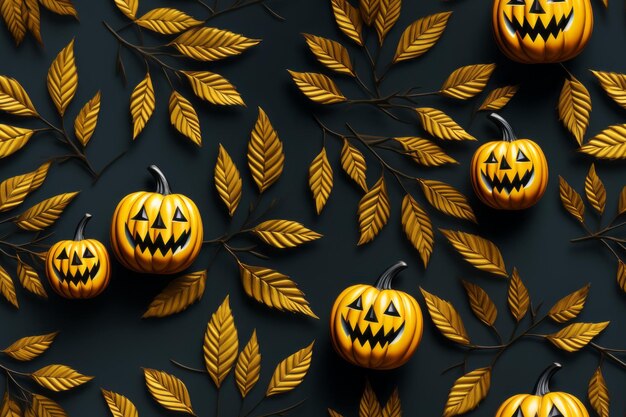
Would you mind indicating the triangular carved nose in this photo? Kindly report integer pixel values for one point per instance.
(158, 222)
(371, 316)
(76, 260)
(536, 8)
(504, 164)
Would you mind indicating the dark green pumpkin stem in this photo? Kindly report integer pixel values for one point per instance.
(505, 127)
(162, 186)
(543, 383)
(384, 281)
(80, 229)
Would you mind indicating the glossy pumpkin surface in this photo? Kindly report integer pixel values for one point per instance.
(376, 326)
(511, 173)
(542, 31)
(78, 268)
(156, 232)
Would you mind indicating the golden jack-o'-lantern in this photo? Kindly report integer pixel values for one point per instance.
(78, 268)
(543, 403)
(376, 326)
(511, 173)
(156, 232)
(542, 31)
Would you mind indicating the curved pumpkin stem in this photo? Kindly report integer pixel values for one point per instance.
(80, 229)
(162, 186)
(384, 281)
(543, 383)
(505, 127)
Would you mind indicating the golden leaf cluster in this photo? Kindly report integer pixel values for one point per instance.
(370, 406)
(24, 16)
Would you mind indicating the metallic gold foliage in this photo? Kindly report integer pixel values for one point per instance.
(518, 298)
(14, 190)
(33, 18)
(608, 144)
(317, 87)
(387, 16)
(11, 11)
(466, 82)
(7, 288)
(614, 84)
(333, 413)
(62, 7)
(424, 151)
(142, 104)
(320, 180)
(575, 108)
(30, 347)
(265, 153)
(571, 200)
(167, 21)
(12, 139)
(570, 306)
(481, 304)
(10, 407)
(221, 343)
(348, 20)
(184, 117)
(374, 210)
(440, 125)
(576, 336)
(595, 191)
(393, 407)
(353, 164)
(29, 278)
(478, 251)
(447, 199)
(59, 378)
(331, 54)
(169, 391)
(178, 295)
(13, 98)
(369, 406)
(420, 36)
(468, 391)
(213, 88)
(212, 44)
(41, 406)
(248, 367)
(418, 228)
(621, 275)
(284, 233)
(128, 7)
(499, 97)
(369, 10)
(228, 181)
(119, 405)
(598, 393)
(63, 78)
(290, 372)
(446, 318)
(85, 122)
(45, 213)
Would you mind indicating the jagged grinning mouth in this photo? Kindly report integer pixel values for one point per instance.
(525, 29)
(171, 245)
(380, 338)
(78, 277)
(507, 184)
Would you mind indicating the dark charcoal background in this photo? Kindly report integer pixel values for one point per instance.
(106, 337)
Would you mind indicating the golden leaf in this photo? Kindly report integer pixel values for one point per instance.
(62, 7)
(369, 10)
(468, 391)
(29, 278)
(13, 98)
(41, 406)
(447, 199)
(9, 407)
(571, 200)
(317, 87)
(608, 144)
(467, 81)
(595, 191)
(178, 295)
(621, 208)
(129, 8)
(221, 344)
(424, 151)
(320, 180)
(574, 108)
(517, 297)
(7, 288)
(570, 306)
(446, 318)
(11, 11)
(598, 394)
(373, 211)
(169, 391)
(480, 252)
(348, 20)
(333, 413)
(227, 180)
(63, 78)
(290, 372)
(614, 84)
(85, 122)
(59, 378)
(369, 406)
(353, 164)
(212, 44)
(621, 275)
(418, 228)
(119, 405)
(499, 97)
(393, 408)
(248, 368)
(30, 347)
(213, 88)
(184, 117)
(265, 153)
(481, 304)
(14, 190)
(33, 18)
(388, 15)
(576, 336)
(45, 213)
(273, 289)
(329, 53)
(142, 103)
(420, 36)
(167, 21)
(440, 125)
(284, 233)
(12, 139)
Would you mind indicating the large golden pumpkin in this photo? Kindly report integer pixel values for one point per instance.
(156, 232)
(543, 403)
(511, 173)
(376, 326)
(542, 31)
(78, 268)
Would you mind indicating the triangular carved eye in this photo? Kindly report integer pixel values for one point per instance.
(492, 159)
(555, 412)
(63, 255)
(178, 216)
(521, 157)
(142, 215)
(356, 304)
(392, 310)
(519, 412)
(87, 253)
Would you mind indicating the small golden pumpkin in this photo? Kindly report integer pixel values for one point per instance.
(511, 173)
(156, 232)
(542, 31)
(78, 268)
(376, 326)
(543, 403)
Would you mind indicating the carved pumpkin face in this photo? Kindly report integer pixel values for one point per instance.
(375, 326)
(542, 31)
(510, 174)
(78, 268)
(156, 232)
(543, 403)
